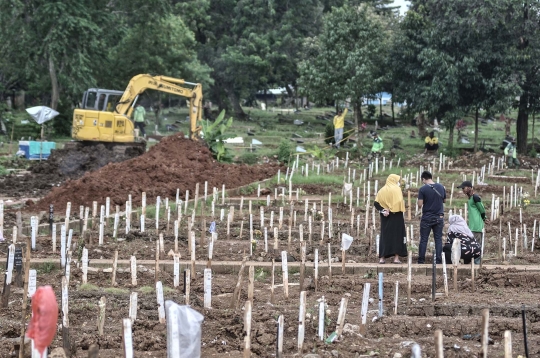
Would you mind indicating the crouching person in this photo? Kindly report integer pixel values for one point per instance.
(470, 249)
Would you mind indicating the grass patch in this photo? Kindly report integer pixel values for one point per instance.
(46, 267)
(167, 289)
(87, 287)
(116, 290)
(147, 289)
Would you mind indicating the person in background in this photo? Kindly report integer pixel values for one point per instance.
(339, 123)
(469, 246)
(476, 213)
(377, 143)
(432, 142)
(511, 153)
(138, 118)
(389, 202)
(431, 198)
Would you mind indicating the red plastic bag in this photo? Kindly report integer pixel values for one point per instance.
(42, 327)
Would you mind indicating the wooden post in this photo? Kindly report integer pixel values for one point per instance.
(85, 265)
(114, 266)
(127, 338)
(409, 277)
(439, 349)
(160, 302)
(238, 283)
(329, 261)
(445, 276)
(409, 205)
(251, 282)
(66, 342)
(207, 288)
(485, 332)
(363, 312)
(396, 298)
(247, 330)
(285, 273)
(472, 275)
(341, 314)
(101, 317)
(8, 276)
(507, 344)
(156, 273)
(279, 348)
(133, 306)
(133, 271)
(316, 268)
(272, 282)
(301, 321)
(187, 285)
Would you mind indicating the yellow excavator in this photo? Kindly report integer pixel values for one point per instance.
(104, 115)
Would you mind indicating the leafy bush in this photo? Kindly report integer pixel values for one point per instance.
(371, 109)
(532, 152)
(214, 136)
(285, 151)
(329, 134)
(249, 158)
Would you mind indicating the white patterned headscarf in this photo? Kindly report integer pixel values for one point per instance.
(458, 225)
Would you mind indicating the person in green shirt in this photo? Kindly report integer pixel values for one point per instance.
(511, 153)
(138, 118)
(377, 144)
(476, 213)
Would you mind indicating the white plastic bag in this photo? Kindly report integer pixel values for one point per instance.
(183, 331)
(346, 241)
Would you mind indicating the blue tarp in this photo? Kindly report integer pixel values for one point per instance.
(36, 150)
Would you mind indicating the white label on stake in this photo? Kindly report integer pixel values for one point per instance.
(11, 260)
(133, 306)
(161, 305)
(176, 271)
(32, 282)
(128, 339)
(207, 288)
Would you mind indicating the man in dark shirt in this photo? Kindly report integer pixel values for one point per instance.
(431, 198)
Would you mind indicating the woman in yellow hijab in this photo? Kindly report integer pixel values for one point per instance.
(389, 202)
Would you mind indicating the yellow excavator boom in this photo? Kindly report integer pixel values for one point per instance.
(98, 121)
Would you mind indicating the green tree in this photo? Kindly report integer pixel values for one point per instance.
(347, 57)
(452, 58)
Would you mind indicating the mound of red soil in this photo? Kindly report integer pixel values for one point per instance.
(63, 164)
(174, 163)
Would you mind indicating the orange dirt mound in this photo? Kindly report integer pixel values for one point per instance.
(174, 163)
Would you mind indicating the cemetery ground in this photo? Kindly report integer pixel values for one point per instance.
(270, 216)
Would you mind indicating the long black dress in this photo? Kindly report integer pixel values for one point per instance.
(393, 234)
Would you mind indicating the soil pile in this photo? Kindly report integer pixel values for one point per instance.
(62, 164)
(174, 163)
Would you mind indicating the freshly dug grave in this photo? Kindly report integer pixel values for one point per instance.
(175, 163)
(62, 164)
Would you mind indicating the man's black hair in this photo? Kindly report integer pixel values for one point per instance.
(426, 175)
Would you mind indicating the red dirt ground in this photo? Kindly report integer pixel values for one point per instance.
(174, 163)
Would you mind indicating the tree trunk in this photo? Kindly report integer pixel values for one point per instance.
(532, 139)
(380, 109)
(265, 100)
(421, 123)
(476, 131)
(451, 138)
(357, 107)
(522, 125)
(235, 102)
(290, 93)
(393, 114)
(55, 93)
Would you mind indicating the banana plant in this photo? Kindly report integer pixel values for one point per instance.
(214, 136)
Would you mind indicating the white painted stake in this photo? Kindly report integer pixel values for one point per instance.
(207, 288)
(160, 302)
(285, 273)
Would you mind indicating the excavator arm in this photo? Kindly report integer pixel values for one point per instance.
(140, 83)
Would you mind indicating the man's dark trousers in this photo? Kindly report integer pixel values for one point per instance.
(435, 223)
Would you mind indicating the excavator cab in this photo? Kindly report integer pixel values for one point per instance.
(101, 99)
(97, 121)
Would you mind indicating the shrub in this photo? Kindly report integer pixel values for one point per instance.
(285, 151)
(371, 109)
(329, 134)
(249, 158)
